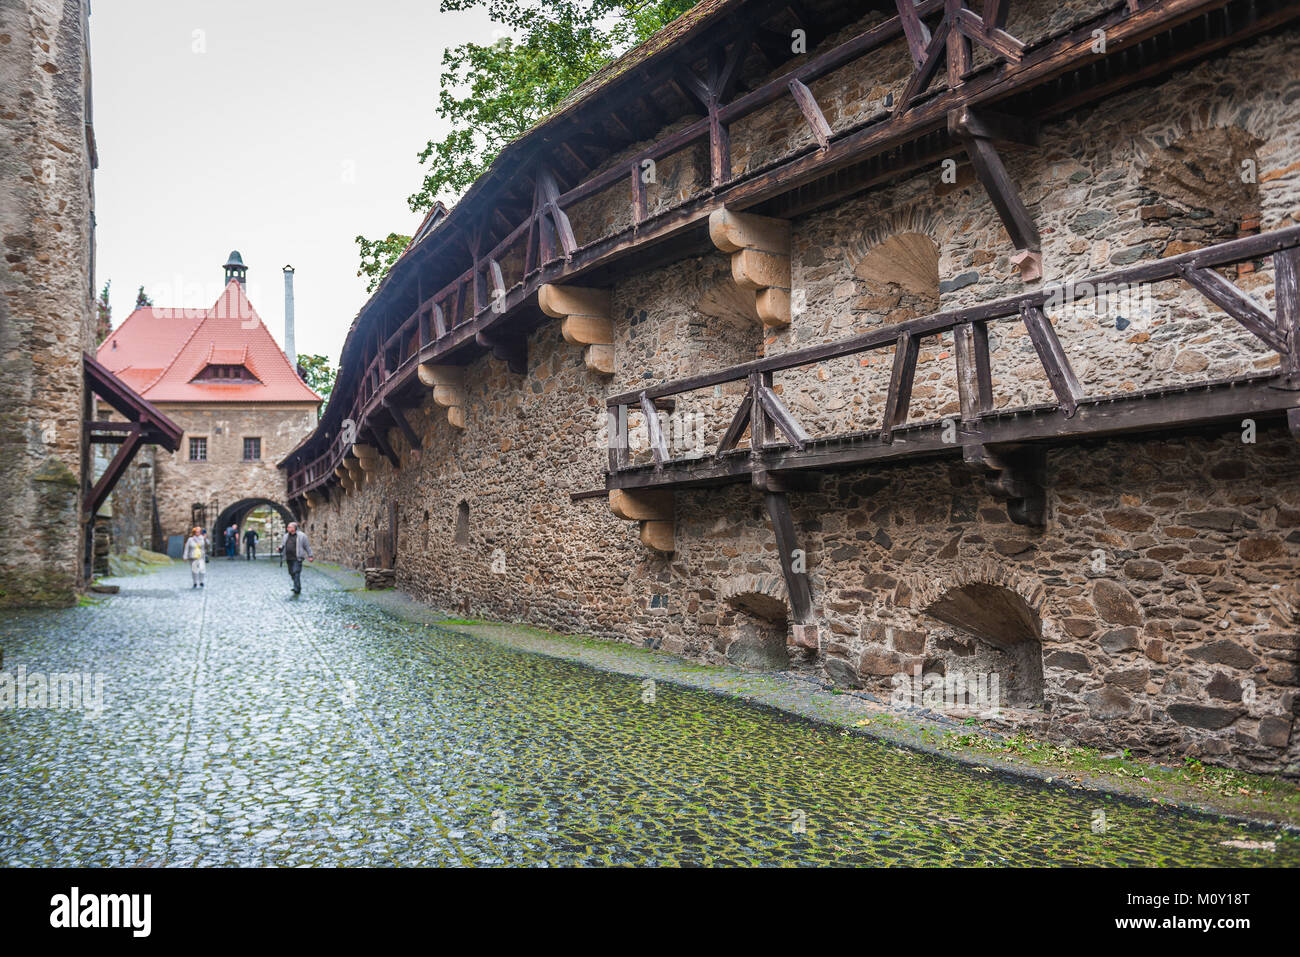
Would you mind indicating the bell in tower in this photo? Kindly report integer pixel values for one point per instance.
(235, 268)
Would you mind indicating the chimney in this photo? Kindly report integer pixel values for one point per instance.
(288, 317)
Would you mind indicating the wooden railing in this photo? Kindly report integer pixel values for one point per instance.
(470, 306)
(779, 441)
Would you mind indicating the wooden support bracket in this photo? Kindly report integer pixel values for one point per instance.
(993, 176)
(586, 322)
(793, 559)
(653, 509)
(512, 351)
(760, 260)
(448, 385)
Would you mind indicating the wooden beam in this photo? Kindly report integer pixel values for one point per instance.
(974, 370)
(925, 70)
(914, 30)
(1236, 304)
(812, 113)
(781, 417)
(655, 434)
(1286, 304)
(900, 384)
(739, 422)
(99, 493)
(796, 581)
(991, 125)
(993, 176)
(403, 426)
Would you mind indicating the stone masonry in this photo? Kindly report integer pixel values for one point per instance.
(225, 477)
(1156, 610)
(47, 160)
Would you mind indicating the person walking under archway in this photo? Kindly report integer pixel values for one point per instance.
(250, 544)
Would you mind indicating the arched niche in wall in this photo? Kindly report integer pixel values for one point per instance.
(1203, 186)
(901, 274)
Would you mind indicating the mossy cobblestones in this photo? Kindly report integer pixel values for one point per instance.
(243, 727)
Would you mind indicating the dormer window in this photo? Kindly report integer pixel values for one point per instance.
(225, 373)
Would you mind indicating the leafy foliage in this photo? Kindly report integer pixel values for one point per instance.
(142, 299)
(378, 256)
(318, 373)
(491, 94)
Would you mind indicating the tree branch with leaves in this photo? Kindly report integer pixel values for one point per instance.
(491, 94)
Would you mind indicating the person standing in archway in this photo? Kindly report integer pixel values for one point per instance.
(295, 548)
(250, 545)
(196, 553)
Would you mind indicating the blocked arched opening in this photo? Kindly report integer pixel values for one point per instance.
(1203, 187)
(758, 624)
(997, 632)
(901, 278)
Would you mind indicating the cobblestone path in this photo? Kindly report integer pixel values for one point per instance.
(241, 726)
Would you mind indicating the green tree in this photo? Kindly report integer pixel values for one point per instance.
(103, 315)
(491, 94)
(142, 299)
(378, 256)
(318, 373)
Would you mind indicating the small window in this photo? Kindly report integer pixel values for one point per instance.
(252, 450)
(198, 450)
(462, 523)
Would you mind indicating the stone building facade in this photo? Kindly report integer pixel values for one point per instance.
(46, 294)
(1155, 609)
(219, 375)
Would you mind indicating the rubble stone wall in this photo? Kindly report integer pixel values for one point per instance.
(46, 296)
(1157, 608)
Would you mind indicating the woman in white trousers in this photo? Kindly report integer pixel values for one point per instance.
(195, 552)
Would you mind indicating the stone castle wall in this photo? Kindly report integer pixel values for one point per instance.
(46, 295)
(1157, 608)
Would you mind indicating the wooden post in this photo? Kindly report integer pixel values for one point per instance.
(1286, 285)
(974, 373)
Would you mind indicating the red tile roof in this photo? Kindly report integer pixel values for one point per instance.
(158, 352)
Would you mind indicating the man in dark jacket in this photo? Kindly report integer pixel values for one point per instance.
(295, 548)
(250, 545)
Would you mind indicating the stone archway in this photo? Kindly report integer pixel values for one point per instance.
(237, 512)
(995, 617)
(760, 621)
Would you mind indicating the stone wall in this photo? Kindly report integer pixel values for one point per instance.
(1157, 608)
(130, 508)
(46, 294)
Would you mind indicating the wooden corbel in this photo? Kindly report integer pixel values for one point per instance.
(653, 509)
(760, 259)
(448, 385)
(1016, 475)
(586, 322)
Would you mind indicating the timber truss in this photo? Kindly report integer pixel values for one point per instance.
(512, 231)
(143, 425)
(1006, 446)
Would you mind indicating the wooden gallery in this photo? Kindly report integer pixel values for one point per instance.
(872, 340)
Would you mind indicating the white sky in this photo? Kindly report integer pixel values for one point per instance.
(293, 131)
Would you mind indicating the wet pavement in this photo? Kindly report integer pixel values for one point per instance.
(242, 726)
